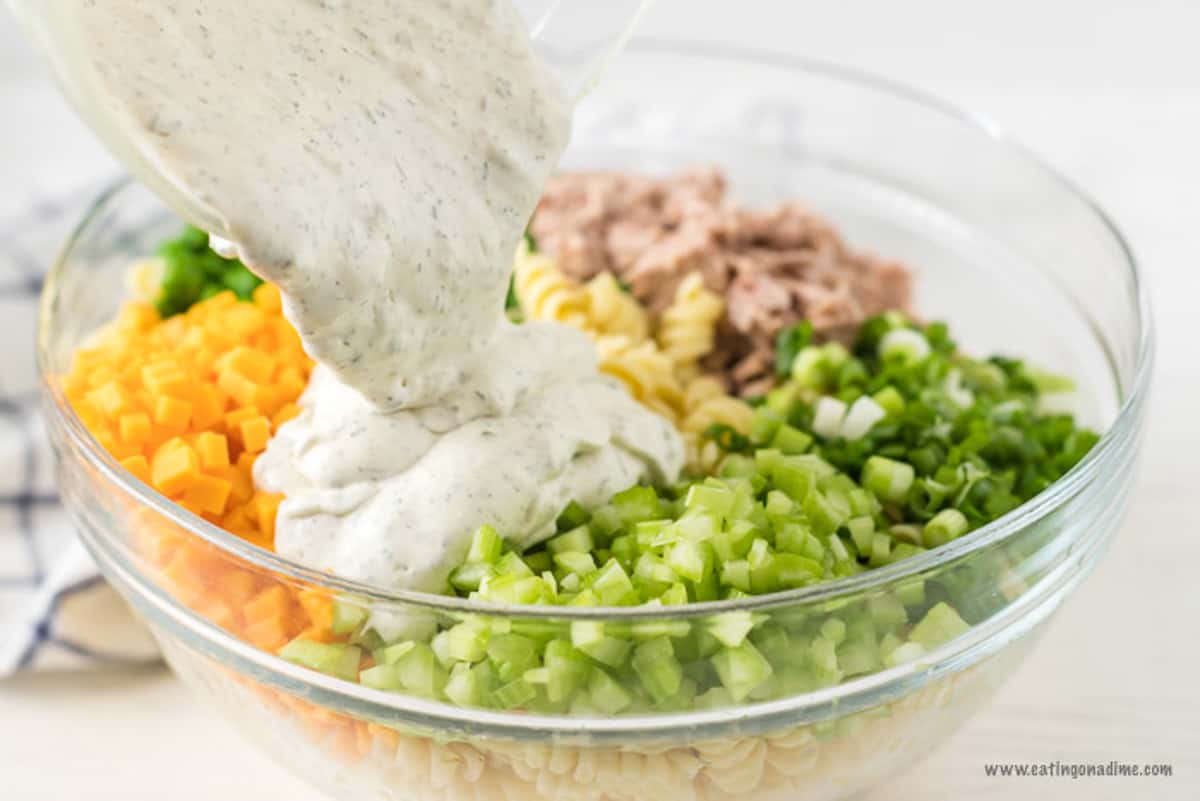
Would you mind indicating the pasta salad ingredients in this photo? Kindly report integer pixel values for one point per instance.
(773, 268)
(778, 515)
(192, 271)
(970, 434)
(187, 404)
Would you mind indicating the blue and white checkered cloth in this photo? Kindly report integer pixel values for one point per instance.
(56, 611)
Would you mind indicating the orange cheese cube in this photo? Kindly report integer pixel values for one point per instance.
(101, 376)
(255, 433)
(250, 363)
(238, 387)
(271, 604)
(135, 428)
(269, 635)
(213, 450)
(166, 381)
(266, 508)
(267, 298)
(172, 412)
(285, 413)
(110, 398)
(138, 466)
(207, 494)
(234, 419)
(208, 407)
(243, 485)
(175, 467)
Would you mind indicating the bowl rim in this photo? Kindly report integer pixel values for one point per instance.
(1131, 402)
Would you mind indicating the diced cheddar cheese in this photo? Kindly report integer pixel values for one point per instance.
(213, 450)
(135, 428)
(255, 433)
(186, 405)
(172, 412)
(175, 467)
(207, 494)
(138, 466)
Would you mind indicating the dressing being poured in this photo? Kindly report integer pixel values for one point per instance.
(378, 160)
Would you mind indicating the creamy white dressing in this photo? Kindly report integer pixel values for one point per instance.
(378, 160)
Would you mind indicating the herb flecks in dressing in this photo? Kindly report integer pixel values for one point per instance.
(378, 161)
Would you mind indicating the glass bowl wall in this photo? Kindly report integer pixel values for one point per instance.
(1012, 256)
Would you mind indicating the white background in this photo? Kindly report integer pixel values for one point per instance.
(1107, 91)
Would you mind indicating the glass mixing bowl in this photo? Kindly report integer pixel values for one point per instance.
(1005, 250)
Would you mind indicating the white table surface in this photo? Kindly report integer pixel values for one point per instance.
(1109, 91)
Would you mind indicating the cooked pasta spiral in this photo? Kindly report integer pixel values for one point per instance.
(645, 371)
(546, 293)
(654, 372)
(705, 402)
(613, 311)
(144, 279)
(687, 329)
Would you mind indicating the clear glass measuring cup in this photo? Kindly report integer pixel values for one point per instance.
(575, 37)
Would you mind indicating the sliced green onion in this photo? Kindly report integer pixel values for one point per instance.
(889, 479)
(828, 415)
(904, 345)
(946, 525)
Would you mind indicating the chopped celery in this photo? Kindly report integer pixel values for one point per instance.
(337, 660)
(391, 654)
(764, 424)
(790, 441)
(862, 532)
(572, 517)
(578, 539)
(731, 628)
(834, 630)
(566, 669)
(906, 652)
(940, 624)
(716, 499)
(575, 562)
(466, 642)
(348, 616)
(381, 677)
(612, 585)
(915, 445)
(655, 664)
(517, 693)
(687, 559)
(468, 577)
(486, 546)
(635, 504)
(606, 694)
(741, 669)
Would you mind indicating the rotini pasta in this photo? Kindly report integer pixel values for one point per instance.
(645, 371)
(705, 402)
(799, 761)
(545, 293)
(687, 329)
(613, 311)
(144, 279)
(654, 372)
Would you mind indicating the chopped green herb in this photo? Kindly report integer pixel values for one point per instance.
(193, 271)
(858, 460)
(789, 342)
(727, 438)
